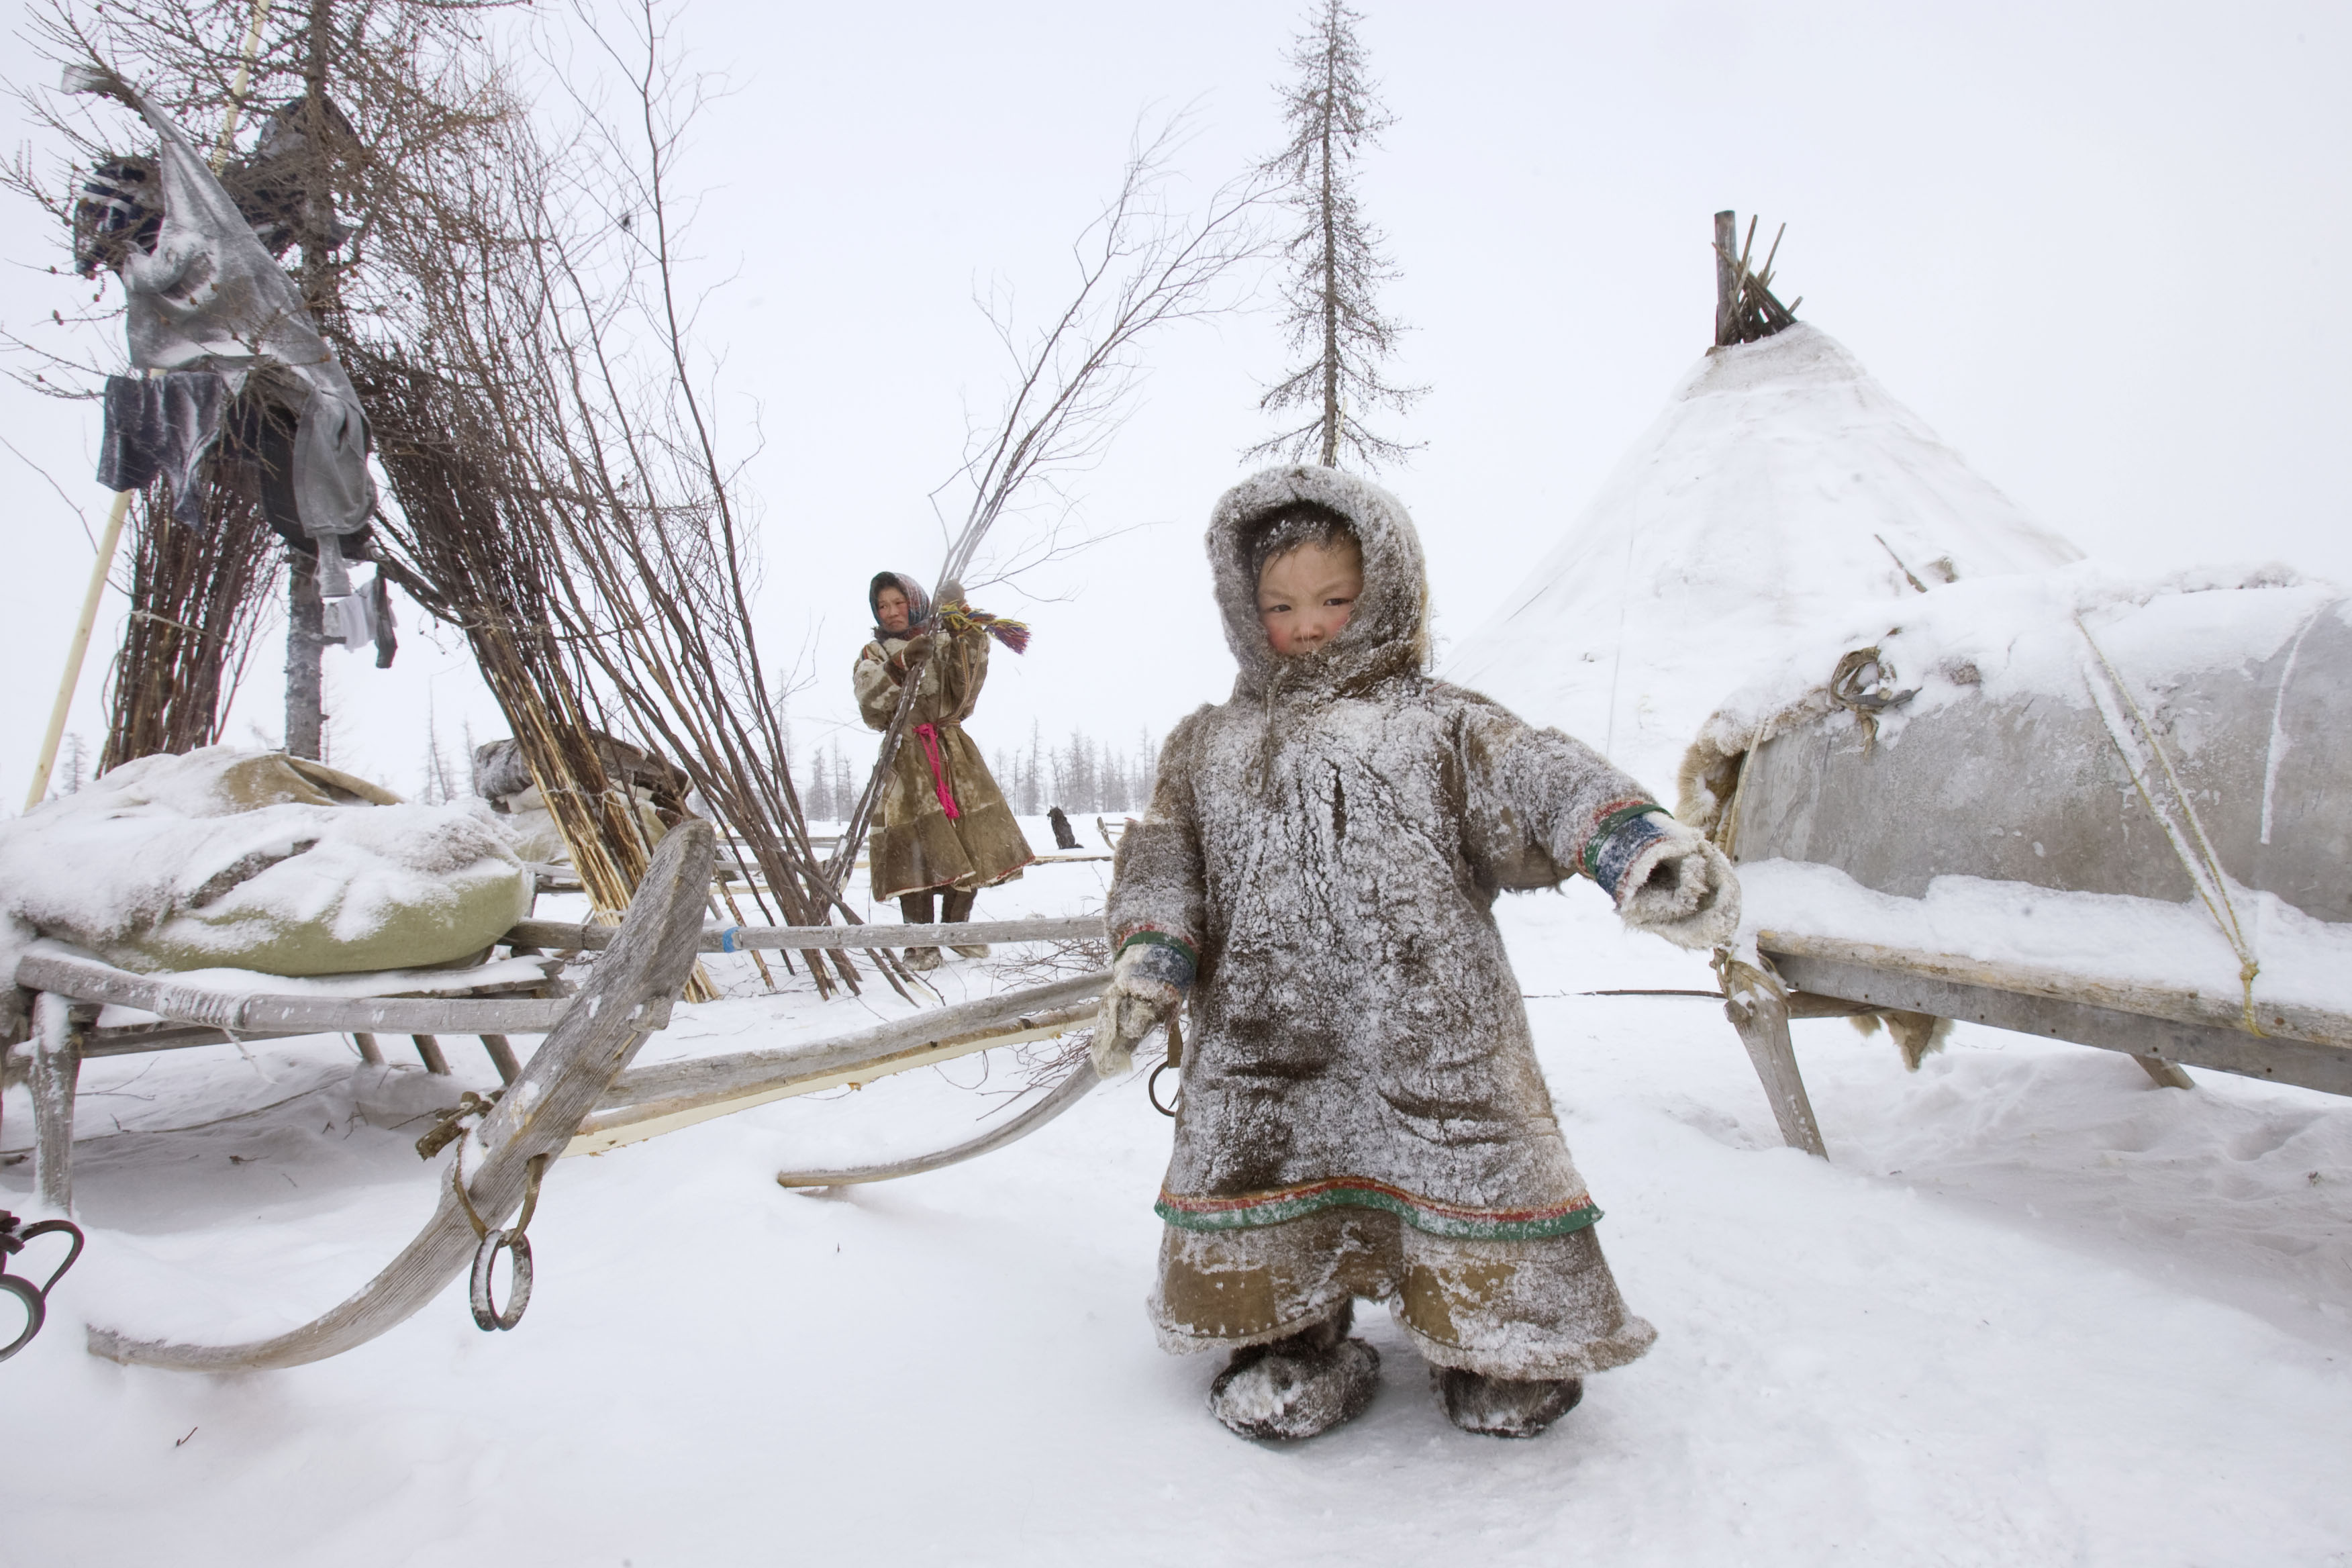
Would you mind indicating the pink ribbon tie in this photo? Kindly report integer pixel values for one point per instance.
(930, 734)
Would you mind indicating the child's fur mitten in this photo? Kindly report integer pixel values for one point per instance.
(1147, 983)
(1681, 888)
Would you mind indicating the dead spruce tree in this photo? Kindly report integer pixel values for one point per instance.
(1334, 256)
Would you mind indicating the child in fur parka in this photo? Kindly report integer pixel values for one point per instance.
(1363, 1112)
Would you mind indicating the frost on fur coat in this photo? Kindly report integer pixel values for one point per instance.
(1362, 1111)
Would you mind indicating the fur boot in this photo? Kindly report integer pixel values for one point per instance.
(1503, 1407)
(914, 909)
(1918, 1035)
(956, 909)
(1298, 1386)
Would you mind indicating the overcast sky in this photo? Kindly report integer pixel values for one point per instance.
(2086, 243)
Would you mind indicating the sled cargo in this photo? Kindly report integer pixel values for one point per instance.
(2102, 812)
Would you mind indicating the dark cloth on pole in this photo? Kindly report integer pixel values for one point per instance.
(163, 426)
(210, 297)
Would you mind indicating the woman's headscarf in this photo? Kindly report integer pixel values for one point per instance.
(918, 603)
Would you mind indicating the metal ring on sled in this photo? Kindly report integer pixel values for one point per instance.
(36, 1298)
(1152, 1090)
(36, 1310)
(516, 1245)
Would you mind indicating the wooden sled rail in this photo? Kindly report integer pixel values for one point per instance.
(565, 936)
(600, 1032)
(252, 1013)
(2309, 1047)
(1075, 1087)
(649, 1101)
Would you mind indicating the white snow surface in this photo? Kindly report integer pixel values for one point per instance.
(1782, 484)
(2097, 936)
(2031, 1311)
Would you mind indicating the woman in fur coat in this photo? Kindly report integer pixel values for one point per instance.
(1363, 1112)
(941, 824)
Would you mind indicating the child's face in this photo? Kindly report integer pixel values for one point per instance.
(890, 607)
(1306, 595)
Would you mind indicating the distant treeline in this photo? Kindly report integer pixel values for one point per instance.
(1083, 776)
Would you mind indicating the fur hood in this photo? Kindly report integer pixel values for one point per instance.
(1388, 632)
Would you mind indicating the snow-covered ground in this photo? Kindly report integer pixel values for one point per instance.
(2032, 1310)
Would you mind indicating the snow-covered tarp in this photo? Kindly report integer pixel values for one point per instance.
(251, 861)
(2139, 779)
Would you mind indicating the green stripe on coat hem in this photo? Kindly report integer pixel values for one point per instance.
(1280, 1211)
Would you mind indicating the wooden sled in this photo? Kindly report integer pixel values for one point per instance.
(591, 1038)
(575, 1096)
(2163, 1029)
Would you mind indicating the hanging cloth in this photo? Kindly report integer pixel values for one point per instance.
(163, 425)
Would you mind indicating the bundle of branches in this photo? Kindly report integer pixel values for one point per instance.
(196, 596)
(560, 489)
(1745, 307)
(563, 441)
(458, 552)
(1139, 266)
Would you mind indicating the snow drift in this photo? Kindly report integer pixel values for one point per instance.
(1782, 484)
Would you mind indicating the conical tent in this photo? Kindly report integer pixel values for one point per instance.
(1782, 484)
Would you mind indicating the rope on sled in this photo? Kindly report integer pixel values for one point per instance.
(2204, 866)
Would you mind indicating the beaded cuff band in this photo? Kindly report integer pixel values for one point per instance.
(1618, 839)
(1163, 957)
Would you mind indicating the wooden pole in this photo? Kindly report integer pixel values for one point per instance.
(79, 647)
(1726, 236)
(306, 651)
(237, 86)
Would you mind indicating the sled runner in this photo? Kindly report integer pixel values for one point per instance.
(626, 999)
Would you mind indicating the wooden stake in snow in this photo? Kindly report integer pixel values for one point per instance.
(79, 648)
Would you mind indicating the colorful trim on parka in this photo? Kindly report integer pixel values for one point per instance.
(1621, 831)
(1282, 1205)
(1167, 958)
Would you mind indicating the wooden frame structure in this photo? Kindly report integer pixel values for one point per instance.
(2164, 1029)
(575, 1095)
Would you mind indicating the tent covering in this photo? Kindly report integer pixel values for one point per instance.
(1781, 485)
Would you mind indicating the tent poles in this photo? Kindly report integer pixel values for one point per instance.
(237, 88)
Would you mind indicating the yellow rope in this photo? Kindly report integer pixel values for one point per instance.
(2215, 897)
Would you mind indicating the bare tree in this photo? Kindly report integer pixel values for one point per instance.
(1336, 265)
(1140, 268)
